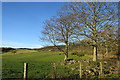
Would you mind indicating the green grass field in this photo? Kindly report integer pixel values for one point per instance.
(40, 65)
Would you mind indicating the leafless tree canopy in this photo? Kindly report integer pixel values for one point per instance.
(94, 20)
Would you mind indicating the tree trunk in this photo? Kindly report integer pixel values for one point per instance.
(95, 53)
(106, 49)
(66, 52)
(111, 50)
(66, 56)
(102, 54)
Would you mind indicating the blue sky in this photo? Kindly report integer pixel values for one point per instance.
(23, 21)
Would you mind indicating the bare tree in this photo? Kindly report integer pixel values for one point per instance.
(60, 30)
(93, 18)
(109, 37)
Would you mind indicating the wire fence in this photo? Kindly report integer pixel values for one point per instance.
(73, 69)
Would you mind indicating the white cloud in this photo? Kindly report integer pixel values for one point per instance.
(7, 43)
(18, 45)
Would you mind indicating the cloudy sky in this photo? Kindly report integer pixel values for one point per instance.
(22, 22)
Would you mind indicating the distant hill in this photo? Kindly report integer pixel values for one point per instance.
(50, 48)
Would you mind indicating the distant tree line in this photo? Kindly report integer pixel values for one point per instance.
(6, 49)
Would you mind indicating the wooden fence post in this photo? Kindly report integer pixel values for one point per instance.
(25, 70)
(55, 70)
(118, 69)
(80, 71)
(52, 72)
(100, 67)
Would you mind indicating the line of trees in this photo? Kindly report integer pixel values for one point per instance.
(96, 21)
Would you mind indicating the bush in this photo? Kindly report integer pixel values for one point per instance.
(78, 54)
(74, 53)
